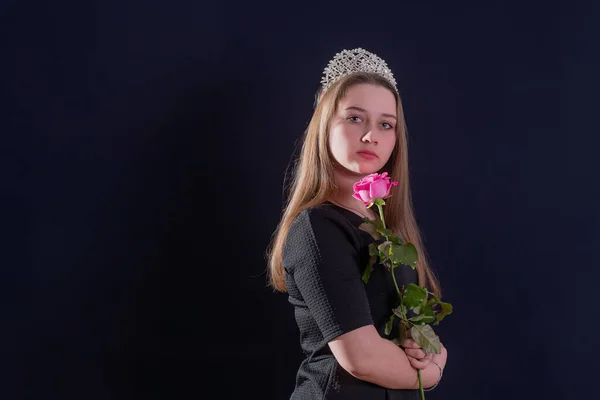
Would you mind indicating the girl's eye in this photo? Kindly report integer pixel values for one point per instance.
(354, 118)
(387, 125)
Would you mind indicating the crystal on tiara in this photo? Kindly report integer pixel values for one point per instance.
(356, 60)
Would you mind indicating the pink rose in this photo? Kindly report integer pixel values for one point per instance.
(371, 187)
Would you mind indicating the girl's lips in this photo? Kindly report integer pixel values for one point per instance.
(367, 154)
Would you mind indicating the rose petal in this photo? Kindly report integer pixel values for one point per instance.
(365, 196)
(379, 189)
(357, 196)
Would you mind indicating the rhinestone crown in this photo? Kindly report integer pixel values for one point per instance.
(348, 62)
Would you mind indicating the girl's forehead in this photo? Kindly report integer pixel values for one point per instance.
(368, 98)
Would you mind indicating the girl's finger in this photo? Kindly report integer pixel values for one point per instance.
(416, 353)
(417, 363)
(411, 344)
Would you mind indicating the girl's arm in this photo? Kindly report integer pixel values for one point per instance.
(369, 357)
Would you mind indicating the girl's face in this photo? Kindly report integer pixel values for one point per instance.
(362, 134)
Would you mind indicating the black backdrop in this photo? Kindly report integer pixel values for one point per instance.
(145, 149)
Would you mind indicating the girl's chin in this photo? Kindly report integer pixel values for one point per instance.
(360, 168)
(365, 170)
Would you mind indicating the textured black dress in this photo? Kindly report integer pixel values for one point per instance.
(324, 257)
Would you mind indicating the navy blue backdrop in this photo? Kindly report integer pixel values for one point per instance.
(145, 147)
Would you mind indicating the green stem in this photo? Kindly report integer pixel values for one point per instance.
(381, 215)
(380, 208)
(405, 318)
(396, 284)
(392, 267)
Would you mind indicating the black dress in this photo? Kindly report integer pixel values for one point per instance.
(324, 257)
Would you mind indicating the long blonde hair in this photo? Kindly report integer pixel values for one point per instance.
(312, 182)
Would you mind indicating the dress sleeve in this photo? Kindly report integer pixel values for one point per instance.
(322, 261)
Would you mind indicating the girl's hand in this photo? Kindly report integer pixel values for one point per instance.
(417, 357)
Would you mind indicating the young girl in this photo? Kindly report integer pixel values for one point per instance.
(319, 253)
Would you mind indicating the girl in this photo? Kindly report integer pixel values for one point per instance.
(319, 253)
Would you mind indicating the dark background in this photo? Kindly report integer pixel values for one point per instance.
(144, 148)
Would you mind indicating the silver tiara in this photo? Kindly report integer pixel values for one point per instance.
(357, 60)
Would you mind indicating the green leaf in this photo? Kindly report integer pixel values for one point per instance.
(446, 309)
(385, 232)
(384, 251)
(423, 318)
(402, 332)
(383, 259)
(373, 250)
(406, 254)
(371, 229)
(427, 310)
(414, 296)
(369, 268)
(396, 240)
(378, 223)
(426, 338)
(389, 325)
(385, 247)
(400, 311)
